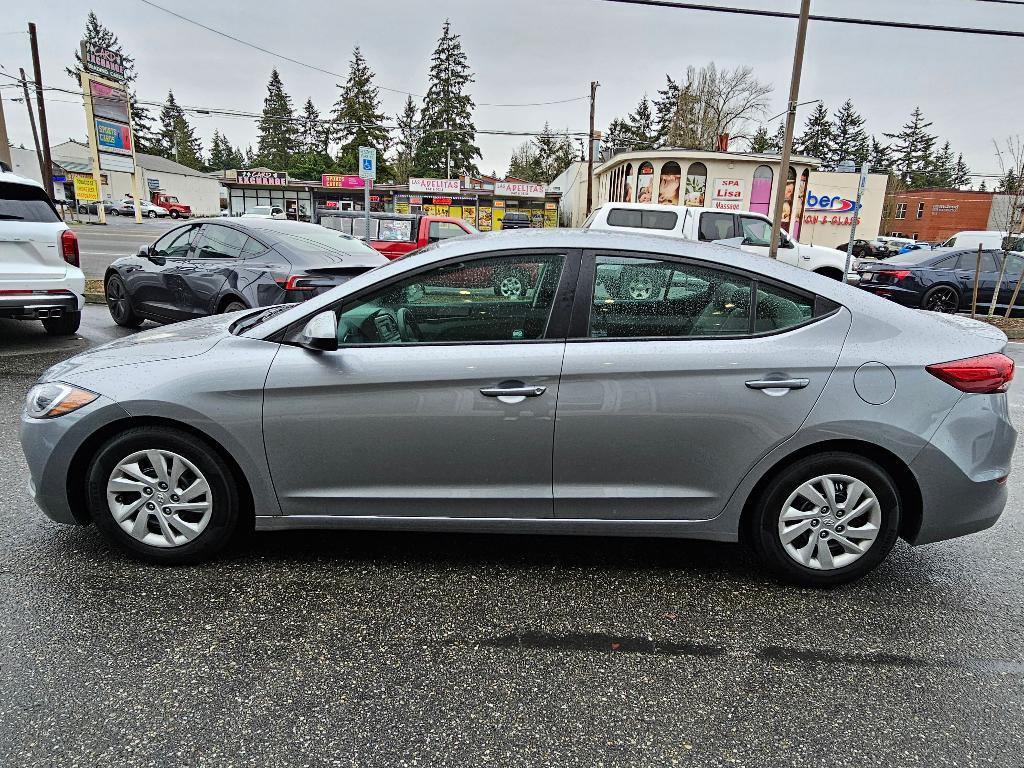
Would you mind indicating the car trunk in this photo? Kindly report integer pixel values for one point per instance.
(31, 251)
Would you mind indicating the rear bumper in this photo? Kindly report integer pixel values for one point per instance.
(905, 296)
(38, 305)
(962, 471)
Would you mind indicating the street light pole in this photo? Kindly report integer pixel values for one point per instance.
(787, 145)
(37, 71)
(590, 148)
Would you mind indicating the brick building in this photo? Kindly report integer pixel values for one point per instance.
(933, 215)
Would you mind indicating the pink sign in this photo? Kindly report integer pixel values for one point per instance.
(337, 181)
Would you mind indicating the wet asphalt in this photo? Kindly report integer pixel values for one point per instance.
(384, 649)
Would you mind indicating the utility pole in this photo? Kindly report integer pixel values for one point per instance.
(590, 147)
(47, 160)
(5, 147)
(787, 145)
(32, 122)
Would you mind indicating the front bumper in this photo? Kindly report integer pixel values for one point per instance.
(50, 446)
(962, 472)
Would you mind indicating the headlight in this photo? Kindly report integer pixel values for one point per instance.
(48, 401)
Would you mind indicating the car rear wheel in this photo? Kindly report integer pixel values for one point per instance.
(163, 496)
(118, 303)
(941, 298)
(65, 325)
(150, 214)
(233, 306)
(826, 520)
(174, 214)
(114, 212)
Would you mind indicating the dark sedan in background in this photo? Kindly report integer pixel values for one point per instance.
(942, 280)
(207, 267)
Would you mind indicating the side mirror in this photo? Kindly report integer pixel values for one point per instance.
(321, 332)
(784, 242)
(149, 252)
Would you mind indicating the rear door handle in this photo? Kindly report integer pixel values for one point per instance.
(523, 391)
(778, 383)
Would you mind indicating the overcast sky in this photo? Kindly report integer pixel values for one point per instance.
(540, 50)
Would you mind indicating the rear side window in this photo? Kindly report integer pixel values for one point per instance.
(252, 247)
(220, 243)
(968, 261)
(638, 218)
(717, 226)
(778, 308)
(25, 202)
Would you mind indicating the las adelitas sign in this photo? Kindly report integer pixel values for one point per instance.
(435, 186)
(516, 189)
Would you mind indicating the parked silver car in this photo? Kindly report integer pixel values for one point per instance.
(740, 399)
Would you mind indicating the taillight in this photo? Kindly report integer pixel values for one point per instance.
(983, 375)
(895, 274)
(296, 283)
(69, 247)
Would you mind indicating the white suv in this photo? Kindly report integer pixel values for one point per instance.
(39, 274)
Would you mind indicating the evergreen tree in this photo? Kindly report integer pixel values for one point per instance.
(881, 157)
(527, 164)
(311, 160)
(358, 119)
(447, 134)
(617, 136)
(665, 107)
(817, 138)
(642, 126)
(220, 153)
(177, 139)
(942, 167)
(961, 173)
(849, 139)
(250, 160)
(761, 142)
(276, 139)
(779, 139)
(1008, 184)
(555, 152)
(912, 151)
(405, 142)
(983, 187)
(101, 37)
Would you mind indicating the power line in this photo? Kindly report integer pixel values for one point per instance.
(315, 68)
(682, 6)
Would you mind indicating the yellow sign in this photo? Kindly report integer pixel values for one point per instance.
(86, 188)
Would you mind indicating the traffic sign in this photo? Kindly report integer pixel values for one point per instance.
(368, 163)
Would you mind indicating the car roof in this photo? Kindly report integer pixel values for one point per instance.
(13, 178)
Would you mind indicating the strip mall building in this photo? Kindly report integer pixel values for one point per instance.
(818, 207)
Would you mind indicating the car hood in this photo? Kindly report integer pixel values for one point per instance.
(188, 339)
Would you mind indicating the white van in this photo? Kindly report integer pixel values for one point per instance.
(711, 224)
(989, 239)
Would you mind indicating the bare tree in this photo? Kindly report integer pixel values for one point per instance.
(1010, 204)
(712, 102)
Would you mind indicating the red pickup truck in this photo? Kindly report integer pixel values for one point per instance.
(170, 202)
(396, 234)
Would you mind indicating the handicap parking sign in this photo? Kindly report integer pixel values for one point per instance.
(368, 162)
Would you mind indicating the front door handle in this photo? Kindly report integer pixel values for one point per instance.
(778, 383)
(520, 391)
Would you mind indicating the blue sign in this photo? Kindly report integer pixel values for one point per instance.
(153, 183)
(60, 179)
(368, 162)
(830, 204)
(113, 137)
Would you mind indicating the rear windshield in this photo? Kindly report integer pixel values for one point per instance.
(315, 243)
(911, 257)
(641, 219)
(25, 202)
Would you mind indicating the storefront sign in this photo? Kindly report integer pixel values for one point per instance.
(442, 201)
(266, 178)
(109, 102)
(728, 194)
(113, 137)
(122, 163)
(59, 179)
(829, 204)
(835, 220)
(153, 183)
(516, 189)
(337, 181)
(945, 208)
(86, 188)
(102, 62)
(436, 186)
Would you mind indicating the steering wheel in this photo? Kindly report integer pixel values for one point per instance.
(407, 325)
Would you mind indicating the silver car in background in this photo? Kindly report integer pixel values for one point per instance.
(738, 399)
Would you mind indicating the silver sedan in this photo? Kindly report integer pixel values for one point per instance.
(738, 398)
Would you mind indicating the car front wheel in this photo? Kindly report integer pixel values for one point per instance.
(174, 214)
(826, 520)
(119, 305)
(941, 298)
(163, 496)
(151, 214)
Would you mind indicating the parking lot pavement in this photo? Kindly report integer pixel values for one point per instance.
(100, 245)
(380, 649)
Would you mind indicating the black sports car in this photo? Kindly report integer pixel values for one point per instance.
(942, 280)
(206, 267)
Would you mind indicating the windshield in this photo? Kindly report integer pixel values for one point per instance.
(25, 202)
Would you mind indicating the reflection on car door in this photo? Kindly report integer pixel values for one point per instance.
(757, 237)
(988, 277)
(155, 288)
(454, 419)
(660, 409)
(215, 256)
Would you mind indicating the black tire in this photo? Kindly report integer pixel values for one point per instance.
(115, 212)
(174, 214)
(150, 214)
(941, 298)
(764, 522)
(65, 325)
(233, 306)
(511, 283)
(119, 304)
(225, 508)
(82, 209)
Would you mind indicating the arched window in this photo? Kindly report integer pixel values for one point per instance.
(668, 186)
(627, 192)
(645, 183)
(761, 190)
(787, 202)
(801, 198)
(696, 184)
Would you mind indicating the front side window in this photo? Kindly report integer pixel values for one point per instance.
(442, 230)
(717, 226)
(755, 231)
(176, 243)
(638, 297)
(503, 298)
(217, 242)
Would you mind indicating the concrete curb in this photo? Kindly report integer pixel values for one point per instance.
(95, 298)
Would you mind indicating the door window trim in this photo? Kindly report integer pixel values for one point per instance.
(579, 326)
(558, 320)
